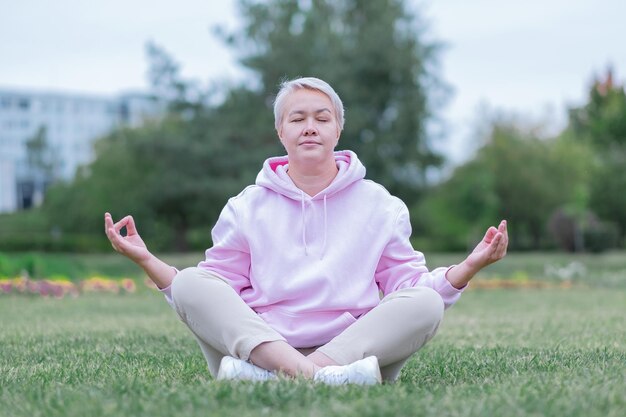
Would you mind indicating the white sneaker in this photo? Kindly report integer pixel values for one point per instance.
(363, 372)
(232, 368)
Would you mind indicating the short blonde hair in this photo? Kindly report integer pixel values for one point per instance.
(309, 83)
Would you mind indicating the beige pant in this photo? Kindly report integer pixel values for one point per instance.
(224, 325)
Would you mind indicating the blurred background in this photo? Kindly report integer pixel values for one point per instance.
(468, 111)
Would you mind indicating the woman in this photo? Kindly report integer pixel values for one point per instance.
(293, 281)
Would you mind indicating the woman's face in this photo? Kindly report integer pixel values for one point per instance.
(309, 130)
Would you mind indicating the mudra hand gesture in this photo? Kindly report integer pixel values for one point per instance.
(491, 249)
(131, 245)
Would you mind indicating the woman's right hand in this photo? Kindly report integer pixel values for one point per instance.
(131, 245)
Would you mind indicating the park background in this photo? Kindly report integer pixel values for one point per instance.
(551, 165)
(461, 130)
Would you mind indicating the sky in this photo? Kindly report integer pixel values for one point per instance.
(532, 58)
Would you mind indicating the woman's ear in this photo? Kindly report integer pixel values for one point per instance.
(280, 136)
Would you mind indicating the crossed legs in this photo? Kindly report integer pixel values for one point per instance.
(395, 329)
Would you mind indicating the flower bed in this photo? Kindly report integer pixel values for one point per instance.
(60, 287)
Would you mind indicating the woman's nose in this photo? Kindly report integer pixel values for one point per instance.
(310, 128)
(310, 131)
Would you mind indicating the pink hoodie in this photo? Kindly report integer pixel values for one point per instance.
(310, 266)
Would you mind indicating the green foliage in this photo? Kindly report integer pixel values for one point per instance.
(165, 79)
(601, 122)
(175, 175)
(23, 222)
(32, 230)
(174, 172)
(456, 214)
(515, 176)
(566, 190)
(601, 237)
(34, 265)
(533, 178)
(113, 182)
(608, 196)
(38, 265)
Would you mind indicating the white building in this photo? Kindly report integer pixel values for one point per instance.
(72, 122)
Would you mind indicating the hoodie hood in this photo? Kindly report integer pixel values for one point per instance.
(274, 176)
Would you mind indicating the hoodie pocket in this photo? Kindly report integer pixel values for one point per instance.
(310, 328)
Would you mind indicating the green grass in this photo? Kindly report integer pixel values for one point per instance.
(499, 352)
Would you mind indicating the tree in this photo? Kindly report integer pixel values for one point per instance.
(601, 122)
(181, 96)
(176, 174)
(42, 163)
(454, 215)
(515, 176)
(374, 54)
(608, 196)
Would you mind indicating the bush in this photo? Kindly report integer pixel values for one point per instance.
(575, 233)
(52, 243)
(601, 236)
(566, 230)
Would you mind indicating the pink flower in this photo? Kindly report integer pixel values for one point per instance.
(128, 285)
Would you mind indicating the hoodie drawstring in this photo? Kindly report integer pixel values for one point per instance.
(303, 211)
(306, 252)
(325, 228)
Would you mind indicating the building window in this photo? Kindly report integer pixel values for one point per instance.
(25, 194)
(23, 104)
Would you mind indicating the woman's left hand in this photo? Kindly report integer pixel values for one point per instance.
(491, 249)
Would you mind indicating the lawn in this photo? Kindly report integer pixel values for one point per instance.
(556, 350)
